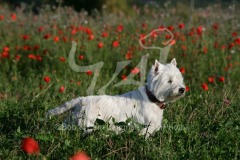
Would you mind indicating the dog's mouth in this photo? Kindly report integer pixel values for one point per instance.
(179, 95)
(172, 98)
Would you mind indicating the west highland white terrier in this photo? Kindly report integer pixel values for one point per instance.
(145, 105)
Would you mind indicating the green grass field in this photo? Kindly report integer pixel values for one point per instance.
(205, 124)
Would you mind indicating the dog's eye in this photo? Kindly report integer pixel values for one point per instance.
(170, 81)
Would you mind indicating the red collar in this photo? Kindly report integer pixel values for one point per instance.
(153, 99)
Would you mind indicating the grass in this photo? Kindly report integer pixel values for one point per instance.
(204, 124)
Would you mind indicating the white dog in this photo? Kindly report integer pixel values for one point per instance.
(145, 105)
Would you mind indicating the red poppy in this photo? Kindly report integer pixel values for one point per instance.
(89, 72)
(62, 59)
(199, 30)
(105, 34)
(30, 146)
(40, 29)
(211, 79)
(115, 44)
(1, 17)
(25, 37)
(168, 36)
(5, 55)
(65, 39)
(177, 34)
(161, 27)
(36, 47)
(154, 35)
(81, 57)
(6, 49)
(61, 89)
(17, 57)
(204, 86)
(144, 25)
(31, 56)
(81, 155)
(129, 55)
(221, 79)
(237, 41)
(234, 34)
(46, 36)
(142, 40)
(13, 16)
(172, 42)
(215, 26)
(47, 79)
(223, 47)
(191, 33)
(119, 28)
(231, 45)
(135, 70)
(73, 31)
(38, 57)
(171, 28)
(88, 31)
(182, 70)
(60, 32)
(184, 48)
(181, 26)
(56, 39)
(78, 83)
(124, 77)
(26, 48)
(183, 38)
(100, 45)
(187, 88)
(205, 50)
(91, 37)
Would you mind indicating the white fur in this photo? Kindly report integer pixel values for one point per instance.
(164, 82)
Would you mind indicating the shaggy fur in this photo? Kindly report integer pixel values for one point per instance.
(165, 82)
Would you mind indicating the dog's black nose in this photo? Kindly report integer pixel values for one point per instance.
(181, 90)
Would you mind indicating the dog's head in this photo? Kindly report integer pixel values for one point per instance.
(166, 82)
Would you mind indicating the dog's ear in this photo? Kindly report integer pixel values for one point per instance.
(156, 66)
(174, 62)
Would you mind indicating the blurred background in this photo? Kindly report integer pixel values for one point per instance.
(111, 5)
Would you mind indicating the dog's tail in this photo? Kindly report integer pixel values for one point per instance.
(63, 108)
